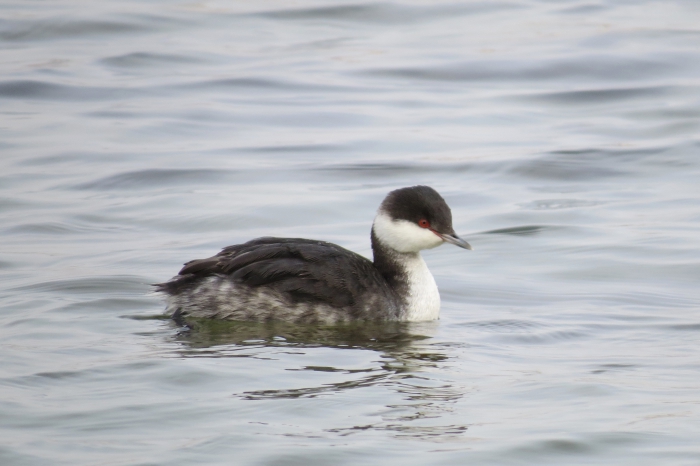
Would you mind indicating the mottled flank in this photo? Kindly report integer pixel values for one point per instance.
(287, 279)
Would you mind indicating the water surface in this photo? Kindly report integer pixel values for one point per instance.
(136, 136)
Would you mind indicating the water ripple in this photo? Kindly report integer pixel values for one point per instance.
(602, 96)
(61, 28)
(388, 13)
(107, 285)
(32, 89)
(147, 179)
(522, 230)
(578, 69)
(148, 60)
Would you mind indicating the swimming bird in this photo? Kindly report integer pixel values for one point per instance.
(309, 281)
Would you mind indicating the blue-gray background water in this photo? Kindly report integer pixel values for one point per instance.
(138, 135)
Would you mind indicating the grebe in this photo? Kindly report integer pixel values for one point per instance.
(308, 281)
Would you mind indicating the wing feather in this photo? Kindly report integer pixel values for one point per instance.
(300, 268)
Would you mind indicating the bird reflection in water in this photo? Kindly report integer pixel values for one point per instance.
(408, 365)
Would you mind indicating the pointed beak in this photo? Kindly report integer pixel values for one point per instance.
(456, 240)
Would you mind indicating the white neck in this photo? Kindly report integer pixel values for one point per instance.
(423, 301)
(405, 239)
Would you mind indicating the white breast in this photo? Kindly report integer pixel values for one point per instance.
(423, 295)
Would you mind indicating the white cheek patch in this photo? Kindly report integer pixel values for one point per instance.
(402, 235)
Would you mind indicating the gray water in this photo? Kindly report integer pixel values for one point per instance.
(138, 135)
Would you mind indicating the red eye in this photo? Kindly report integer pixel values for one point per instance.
(423, 223)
